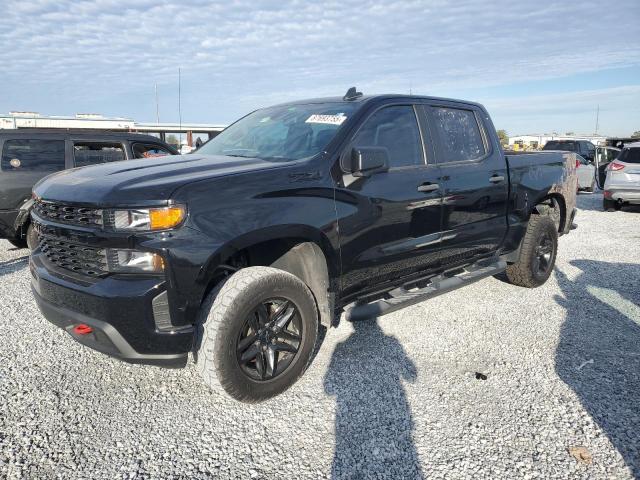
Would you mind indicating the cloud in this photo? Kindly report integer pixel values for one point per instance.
(556, 112)
(241, 54)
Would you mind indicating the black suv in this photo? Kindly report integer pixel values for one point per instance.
(582, 147)
(295, 212)
(31, 154)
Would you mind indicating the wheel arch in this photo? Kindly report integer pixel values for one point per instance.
(554, 205)
(302, 251)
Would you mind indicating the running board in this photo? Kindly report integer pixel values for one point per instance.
(403, 297)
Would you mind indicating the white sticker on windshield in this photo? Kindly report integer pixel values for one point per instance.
(328, 119)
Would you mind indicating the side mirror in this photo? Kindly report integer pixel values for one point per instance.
(365, 161)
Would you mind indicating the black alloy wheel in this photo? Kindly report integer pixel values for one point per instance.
(256, 333)
(270, 339)
(543, 254)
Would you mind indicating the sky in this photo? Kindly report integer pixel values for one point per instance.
(537, 66)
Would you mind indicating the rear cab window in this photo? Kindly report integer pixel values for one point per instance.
(32, 155)
(458, 134)
(564, 146)
(94, 153)
(149, 150)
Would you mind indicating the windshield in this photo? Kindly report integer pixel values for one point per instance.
(288, 132)
(630, 155)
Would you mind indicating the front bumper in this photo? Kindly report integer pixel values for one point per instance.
(118, 308)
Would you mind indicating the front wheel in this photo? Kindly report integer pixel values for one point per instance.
(257, 333)
(537, 253)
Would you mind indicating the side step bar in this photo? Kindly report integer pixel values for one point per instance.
(403, 297)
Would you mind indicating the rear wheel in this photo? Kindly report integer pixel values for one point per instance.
(537, 253)
(18, 242)
(257, 334)
(610, 205)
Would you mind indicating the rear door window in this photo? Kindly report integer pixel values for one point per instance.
(149, 150)
(32, 155)
(93, 153)
(458, 134)
(396, 129)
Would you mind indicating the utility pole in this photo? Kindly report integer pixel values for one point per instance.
(597, 118)
(180, 105)
(157, 105)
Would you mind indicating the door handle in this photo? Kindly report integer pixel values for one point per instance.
(428, 187)
(496, 179)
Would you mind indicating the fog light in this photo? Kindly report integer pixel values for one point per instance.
(82, 329)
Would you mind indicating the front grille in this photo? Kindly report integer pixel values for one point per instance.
(71, 214)
(74, 257)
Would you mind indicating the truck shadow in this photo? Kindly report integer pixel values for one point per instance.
(373, 425)
(598, 355)
(14, 265)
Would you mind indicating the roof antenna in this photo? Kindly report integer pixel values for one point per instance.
(352, 94)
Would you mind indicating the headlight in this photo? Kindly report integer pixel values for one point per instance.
(134, 261)
(147, 219)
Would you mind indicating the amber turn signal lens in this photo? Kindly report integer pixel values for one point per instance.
(163, 218)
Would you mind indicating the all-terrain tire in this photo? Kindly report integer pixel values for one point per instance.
(221, 321)
(524, 272)
(31, 238)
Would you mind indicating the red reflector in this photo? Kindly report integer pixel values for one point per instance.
(616, 166)
(577, 163)
(82, 329)
(607, 194)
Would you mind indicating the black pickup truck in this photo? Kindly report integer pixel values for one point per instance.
(291, 216)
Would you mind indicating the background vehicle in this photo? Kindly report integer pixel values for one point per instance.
(622, 184)
(582, 147)
(586, 174)
(292, 214)
(31, 154)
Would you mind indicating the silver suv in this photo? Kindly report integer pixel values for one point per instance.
(623, 179)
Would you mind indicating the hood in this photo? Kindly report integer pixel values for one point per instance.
(141, 182)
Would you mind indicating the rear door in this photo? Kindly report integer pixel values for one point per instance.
(149, 150)
(586, 173)
(95, 152)
(25, 161)
(474, 177)
(390, 221)
(603, 157)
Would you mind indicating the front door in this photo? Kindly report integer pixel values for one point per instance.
(475, 180)
(390, 221)
(603, 157)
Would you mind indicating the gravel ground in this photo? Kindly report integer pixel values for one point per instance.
(398, 397)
